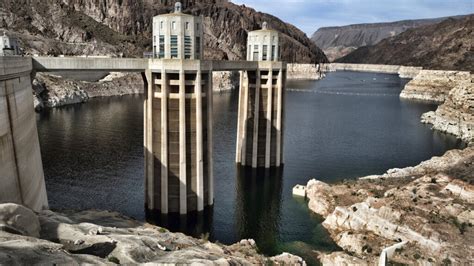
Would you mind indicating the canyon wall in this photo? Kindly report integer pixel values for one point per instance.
(123, 27)
(339, 41)
(443, 46)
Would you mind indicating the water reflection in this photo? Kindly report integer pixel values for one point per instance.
(197, 224)
(258, 205)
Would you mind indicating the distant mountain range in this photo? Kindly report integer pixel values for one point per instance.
(340, 41)
(113, 27)
(447, 45)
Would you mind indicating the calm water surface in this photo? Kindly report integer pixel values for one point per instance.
(347, 125)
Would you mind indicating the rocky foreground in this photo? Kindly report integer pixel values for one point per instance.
(429, 206)
(101, 237)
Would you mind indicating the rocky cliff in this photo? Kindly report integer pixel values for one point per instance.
(456, 115)
(427, 209)
(454, 90)
(123, 27)
(340, 41)
(433, 85)
(446, 45)
(54, 91)
(107, 238)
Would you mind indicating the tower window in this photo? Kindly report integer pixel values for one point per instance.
(187, 47)
(161, 52)
(161, 24)
(174, 46)
(264, 53)
(198, 48)
(255, 53)
(273, 53)
(173, 25)
(187, 25)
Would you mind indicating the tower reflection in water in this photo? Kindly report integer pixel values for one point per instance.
(196, 224)
(258, 203)
(257, 214)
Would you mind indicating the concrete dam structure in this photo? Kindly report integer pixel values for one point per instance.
(21, 168)
(178, 122)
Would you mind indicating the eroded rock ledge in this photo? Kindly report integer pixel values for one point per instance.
(54, 91)
(430, 205)
(454, 90)
(101, 237)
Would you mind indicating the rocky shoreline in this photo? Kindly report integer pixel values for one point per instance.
(54, 91)
(107, 238)
(428, 208)
(454, 91)
(415, 215)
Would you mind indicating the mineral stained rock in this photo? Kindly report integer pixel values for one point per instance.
(430, 206)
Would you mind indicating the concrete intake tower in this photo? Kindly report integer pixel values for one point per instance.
(178, 118)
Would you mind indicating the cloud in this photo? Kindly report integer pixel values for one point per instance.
(309, 15)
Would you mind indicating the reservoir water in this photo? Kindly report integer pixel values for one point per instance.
(344, 126)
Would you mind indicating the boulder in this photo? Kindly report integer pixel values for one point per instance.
(320, 197)
(18, 219)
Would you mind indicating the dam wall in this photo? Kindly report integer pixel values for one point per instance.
(21, 169)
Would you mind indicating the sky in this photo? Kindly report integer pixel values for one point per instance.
(309, 15)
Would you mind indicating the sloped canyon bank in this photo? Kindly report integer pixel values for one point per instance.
(108, 238)
(415, 215)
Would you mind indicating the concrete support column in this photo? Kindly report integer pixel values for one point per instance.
(148, 138)
(182, 144)
(279, 148)
(242, 120)
(210, 121)
(199, 143)
(256, 119)
(238, 149)
(164, 141)
(269, 118)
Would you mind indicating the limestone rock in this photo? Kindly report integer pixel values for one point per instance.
(341, 259)
(102, 237)
(320, 197)
(456, 115)
(304, 72)
(428, 205)
(19, 219)
(287, 259)
(433, 85)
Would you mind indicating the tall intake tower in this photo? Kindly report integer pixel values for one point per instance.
(178, 118)
(261, 100)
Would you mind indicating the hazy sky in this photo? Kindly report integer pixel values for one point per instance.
(309, 15)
